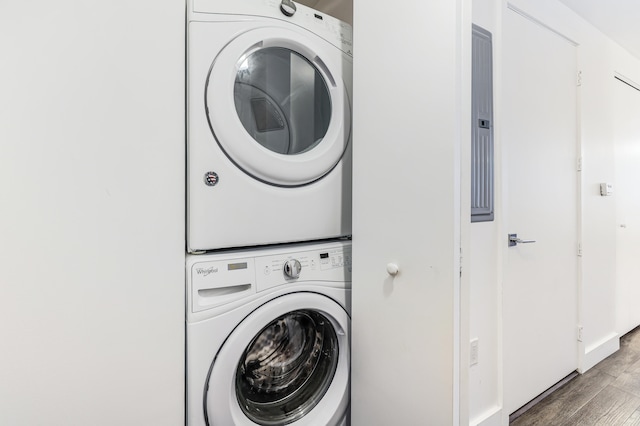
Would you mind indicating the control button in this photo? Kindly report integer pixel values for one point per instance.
(211, 178)
(267, 270)
(292, 268)
(288, 7)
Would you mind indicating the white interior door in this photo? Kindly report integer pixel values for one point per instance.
(409, 117)
(627, 199)
(539, 141)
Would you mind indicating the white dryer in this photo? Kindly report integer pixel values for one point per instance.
(269, 124)
(268, 336)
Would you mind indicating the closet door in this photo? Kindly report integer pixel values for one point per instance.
(627, 199)
(408, 122)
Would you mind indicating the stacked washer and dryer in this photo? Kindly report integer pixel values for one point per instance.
(268, 266)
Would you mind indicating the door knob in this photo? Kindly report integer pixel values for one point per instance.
(514, 240)
(392, 269)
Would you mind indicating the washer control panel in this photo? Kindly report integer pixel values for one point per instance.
(220, 279)
(325, 265)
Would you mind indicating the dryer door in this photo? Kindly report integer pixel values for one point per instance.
(278, 107)
(285, 363)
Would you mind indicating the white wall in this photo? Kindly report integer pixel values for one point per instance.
(410, 74)
(598, 260)
(485, 308)
(92, 213)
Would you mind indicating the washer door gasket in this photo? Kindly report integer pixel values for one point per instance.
(287, 362)
(287, 368)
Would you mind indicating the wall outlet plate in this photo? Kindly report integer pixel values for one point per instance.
(473, 352)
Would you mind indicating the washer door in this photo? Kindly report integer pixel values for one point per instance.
(285, 363)
(278, 107)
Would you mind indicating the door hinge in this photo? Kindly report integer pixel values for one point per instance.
(579, 249)
(579, 164)
(579, 333)
(579, 79)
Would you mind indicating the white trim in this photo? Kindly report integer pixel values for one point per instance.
(462, 199)
(626, 80)
(491, 417)
(600, 350)
(524, 14)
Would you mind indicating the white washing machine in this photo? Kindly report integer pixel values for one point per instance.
(269, 124)
(268, 336)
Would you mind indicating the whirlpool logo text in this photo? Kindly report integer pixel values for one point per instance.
(206, 271)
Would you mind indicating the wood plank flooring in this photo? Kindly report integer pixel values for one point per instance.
(608, 394)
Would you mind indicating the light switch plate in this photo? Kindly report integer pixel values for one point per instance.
(606, 189)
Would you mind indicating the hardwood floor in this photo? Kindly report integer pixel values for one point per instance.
(608, 394)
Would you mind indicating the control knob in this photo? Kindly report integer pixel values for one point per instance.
(292, 268)
(288, 7)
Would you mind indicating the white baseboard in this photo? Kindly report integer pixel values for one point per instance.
(600, 350)
(491, 417)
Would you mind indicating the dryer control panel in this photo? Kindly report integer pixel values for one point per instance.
(336, 32)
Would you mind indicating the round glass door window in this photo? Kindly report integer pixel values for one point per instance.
(278, 107)
(287, 368)
(282, 100)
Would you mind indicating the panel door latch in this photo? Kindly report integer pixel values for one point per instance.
(514, 240)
